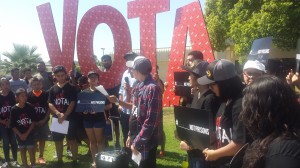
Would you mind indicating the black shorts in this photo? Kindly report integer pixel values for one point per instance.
(72, 131)
(41, 133)
(28, 143)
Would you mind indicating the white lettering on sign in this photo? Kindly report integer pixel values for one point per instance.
(107, 158)
(97, 102)
(199, 129)
(263, 51)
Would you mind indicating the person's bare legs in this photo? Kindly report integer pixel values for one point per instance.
(99, 134)
(74, 149)
(41, 147)
(59, 149)
(23, 157)
(93, 143)
(31, 152)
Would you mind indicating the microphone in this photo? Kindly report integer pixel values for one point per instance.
(127, 79)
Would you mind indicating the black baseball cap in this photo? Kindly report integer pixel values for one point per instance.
(199, 70)
(218, 70)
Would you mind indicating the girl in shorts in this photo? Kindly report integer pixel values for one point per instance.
(94, 121)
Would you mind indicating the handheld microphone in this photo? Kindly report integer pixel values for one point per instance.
(127, 79)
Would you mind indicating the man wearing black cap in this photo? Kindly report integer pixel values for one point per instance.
(146, 117)
(62, 100)
(127, 83)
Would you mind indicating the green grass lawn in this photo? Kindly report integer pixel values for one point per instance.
(172, 158)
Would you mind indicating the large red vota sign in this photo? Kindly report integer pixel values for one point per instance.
(189, 19)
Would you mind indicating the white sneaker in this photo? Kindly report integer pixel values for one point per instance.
(4, 165)
(69, 153)
(15, 164)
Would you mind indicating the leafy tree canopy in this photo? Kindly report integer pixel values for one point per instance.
(243, 21)
(22, 56)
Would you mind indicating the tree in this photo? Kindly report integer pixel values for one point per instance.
(248, 20)
(216, 15)
(22, 56)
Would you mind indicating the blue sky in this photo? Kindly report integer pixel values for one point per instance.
(19, 23)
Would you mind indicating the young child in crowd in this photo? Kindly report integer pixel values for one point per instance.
(22, 123)
(39, 99)
(7, 100)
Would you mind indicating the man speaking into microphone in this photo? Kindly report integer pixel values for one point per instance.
(124, 95)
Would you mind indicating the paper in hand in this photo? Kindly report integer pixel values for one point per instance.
(137, 158)
(102, 90)
(59, 127)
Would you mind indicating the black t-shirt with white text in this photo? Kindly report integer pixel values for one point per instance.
(6, 103)
(61, 98)
(22, 118)
(40, 104)
(228, 126)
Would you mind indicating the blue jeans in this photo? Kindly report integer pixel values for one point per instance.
(9, 137)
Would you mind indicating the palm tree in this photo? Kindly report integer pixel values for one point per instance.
(22, 56)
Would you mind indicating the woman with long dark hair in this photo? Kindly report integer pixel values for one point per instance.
(271, 115)
(230, 132)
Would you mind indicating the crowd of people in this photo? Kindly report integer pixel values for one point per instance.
(28, 104)
(254, 108)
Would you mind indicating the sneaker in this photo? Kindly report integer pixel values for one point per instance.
(41, 160)
(161, 154)
(4, 165)
(69, 153)
(15, 164)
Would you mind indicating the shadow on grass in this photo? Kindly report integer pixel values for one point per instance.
(172, 156)
(84, 161)
(171, 159)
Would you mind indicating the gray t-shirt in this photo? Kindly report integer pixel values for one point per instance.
(16, 84)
